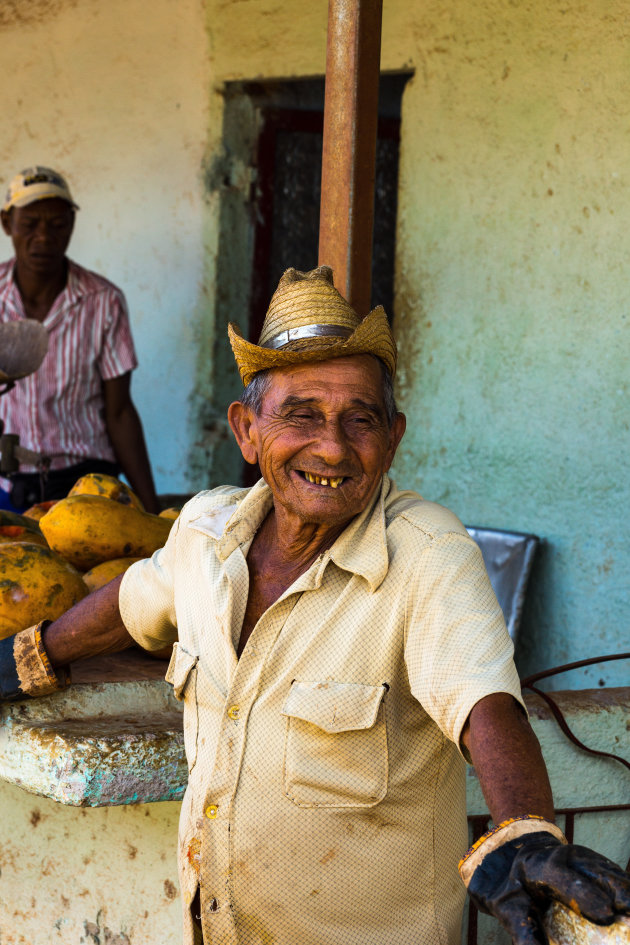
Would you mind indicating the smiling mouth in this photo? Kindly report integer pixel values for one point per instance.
(332, 481)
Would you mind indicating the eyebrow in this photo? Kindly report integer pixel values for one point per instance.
(293, 401)
(33, 215)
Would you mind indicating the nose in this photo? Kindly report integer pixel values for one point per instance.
(44, 231)
(331, 445)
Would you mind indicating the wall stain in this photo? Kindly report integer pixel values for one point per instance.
(170, 890)
(98, 935)
(27, 12)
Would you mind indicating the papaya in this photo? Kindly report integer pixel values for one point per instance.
(108, 486)
(38, 510)
(90, 529)
(172, 514)
(106, 572)
(19, 533)
(35, 584)
(13, 518)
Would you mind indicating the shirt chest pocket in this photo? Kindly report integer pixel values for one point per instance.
(335, 745)
(182, 674)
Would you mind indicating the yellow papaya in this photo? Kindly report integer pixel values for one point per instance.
(19, 533)
(89, 529)
(170, 513)
(38, 510)
(12, 518)
(106, 571)
(35, 584)
(108, 486)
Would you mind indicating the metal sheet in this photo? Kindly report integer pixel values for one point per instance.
(508, 557)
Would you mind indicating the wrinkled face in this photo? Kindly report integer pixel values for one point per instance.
(322, 438)
(40, 234)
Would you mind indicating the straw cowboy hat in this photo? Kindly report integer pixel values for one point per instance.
(308, 320)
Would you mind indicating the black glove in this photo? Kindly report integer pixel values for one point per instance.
(517, 881)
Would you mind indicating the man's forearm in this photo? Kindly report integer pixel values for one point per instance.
(508, 760)
(33, 662)
(124, 429)
(90, 628)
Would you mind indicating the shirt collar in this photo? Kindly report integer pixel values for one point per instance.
(12, 297)
(246, 518)
(74, 288)
(70, 295)
(66, 299)
(361, 548)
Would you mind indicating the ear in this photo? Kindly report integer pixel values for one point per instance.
(242, 421)
(395, 436)
(5, 216)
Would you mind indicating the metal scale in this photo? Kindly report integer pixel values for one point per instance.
(23, 346)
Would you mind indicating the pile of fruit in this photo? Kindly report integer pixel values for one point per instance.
(58, 552)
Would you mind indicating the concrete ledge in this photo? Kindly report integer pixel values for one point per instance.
(111, 738)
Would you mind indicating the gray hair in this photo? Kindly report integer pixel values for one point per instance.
(254, 393)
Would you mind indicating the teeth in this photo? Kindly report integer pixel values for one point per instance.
(324, 480)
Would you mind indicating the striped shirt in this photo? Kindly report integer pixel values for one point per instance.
(60, 409)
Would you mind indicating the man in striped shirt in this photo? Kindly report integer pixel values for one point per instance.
(76, 408)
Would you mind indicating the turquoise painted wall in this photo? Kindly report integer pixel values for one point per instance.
(513, 300)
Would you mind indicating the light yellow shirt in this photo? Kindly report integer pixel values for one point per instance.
(326, 800)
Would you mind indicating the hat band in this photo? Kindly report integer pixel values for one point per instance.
(306, 331)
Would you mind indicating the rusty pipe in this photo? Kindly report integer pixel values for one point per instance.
(349, 147)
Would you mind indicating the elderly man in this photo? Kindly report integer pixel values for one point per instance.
(76, 408)
(339, 652)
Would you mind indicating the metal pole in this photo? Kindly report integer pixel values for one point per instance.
(350, 123)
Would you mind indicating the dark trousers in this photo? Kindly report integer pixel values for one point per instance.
(28, 488)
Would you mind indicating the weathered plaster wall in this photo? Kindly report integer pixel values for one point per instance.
(512, 308)
(87, 876)
(115, 95)
(512, 302)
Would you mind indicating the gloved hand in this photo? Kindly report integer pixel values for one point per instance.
(517, 881)
(25, 669)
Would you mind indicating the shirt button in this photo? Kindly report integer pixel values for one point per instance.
(234, 712)
(211, 811)
(213, 905)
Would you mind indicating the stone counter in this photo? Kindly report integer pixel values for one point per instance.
(114, 737)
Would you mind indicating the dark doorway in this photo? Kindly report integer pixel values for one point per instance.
(288, 187)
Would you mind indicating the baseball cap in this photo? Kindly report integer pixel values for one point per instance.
(36, 183)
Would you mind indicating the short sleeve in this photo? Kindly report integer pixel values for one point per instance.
(457, 647)
(117, 354)
(147, 599)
